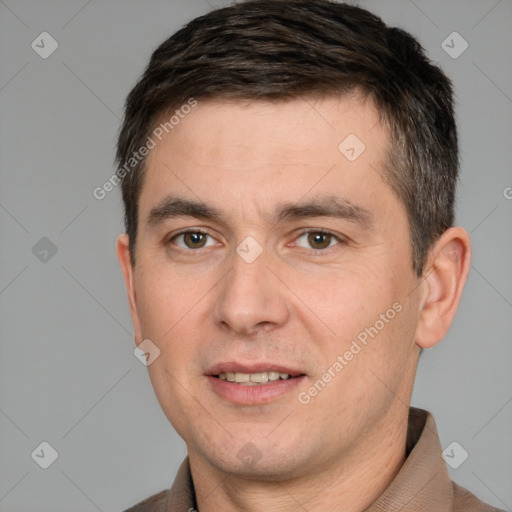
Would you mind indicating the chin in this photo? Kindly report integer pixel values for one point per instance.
(269, 471)
(260, 460)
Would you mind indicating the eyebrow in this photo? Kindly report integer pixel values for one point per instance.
(329, 206)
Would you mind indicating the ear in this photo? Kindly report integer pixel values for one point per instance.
(123, 255)
(445, 274)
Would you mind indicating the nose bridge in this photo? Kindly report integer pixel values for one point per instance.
(248, 275)
(250, 296)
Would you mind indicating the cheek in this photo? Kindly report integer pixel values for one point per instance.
(349, 297)
(171, 309)
(163, 298)
(168, 317)
(172, 393)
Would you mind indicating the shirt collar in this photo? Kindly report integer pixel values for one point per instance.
(423, 482)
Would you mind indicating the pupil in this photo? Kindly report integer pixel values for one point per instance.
(316, 238)
(194, 239)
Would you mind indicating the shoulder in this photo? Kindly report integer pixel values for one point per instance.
(155, 503)
(464, 501)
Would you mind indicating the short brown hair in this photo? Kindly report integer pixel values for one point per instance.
(277, 50)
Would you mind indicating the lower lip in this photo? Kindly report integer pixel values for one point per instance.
(253, 395)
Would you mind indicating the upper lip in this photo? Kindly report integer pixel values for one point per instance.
(235, 367)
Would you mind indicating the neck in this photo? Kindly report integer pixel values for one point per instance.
(353, 480)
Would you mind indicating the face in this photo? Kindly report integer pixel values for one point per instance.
(269, 246)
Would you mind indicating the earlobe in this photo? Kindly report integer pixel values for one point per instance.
(123, 255)
(445, 276)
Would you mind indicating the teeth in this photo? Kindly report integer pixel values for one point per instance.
(253, 379)
(242, 377)
(260, 378)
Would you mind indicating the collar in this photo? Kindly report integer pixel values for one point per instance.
(423, 482)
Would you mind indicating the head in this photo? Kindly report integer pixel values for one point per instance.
(263, 119)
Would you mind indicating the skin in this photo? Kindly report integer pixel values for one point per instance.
(294, 305)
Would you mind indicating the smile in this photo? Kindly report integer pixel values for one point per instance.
(253, 379)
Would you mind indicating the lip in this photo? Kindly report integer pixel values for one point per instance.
(233, 366)
(253, 395)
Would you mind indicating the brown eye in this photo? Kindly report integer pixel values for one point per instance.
(192, 240)
(319, 240)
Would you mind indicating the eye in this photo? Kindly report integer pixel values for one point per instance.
(192, 239)
(317, 239)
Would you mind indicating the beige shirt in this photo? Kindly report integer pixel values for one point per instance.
(422, 484)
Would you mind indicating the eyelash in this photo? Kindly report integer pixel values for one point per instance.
(326, 251)
(317, 252)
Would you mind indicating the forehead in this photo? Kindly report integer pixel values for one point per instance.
(261, 151)
(295, 126)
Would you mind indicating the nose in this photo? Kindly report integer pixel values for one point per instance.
(251, 297)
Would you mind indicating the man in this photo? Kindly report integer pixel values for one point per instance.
(288, 173)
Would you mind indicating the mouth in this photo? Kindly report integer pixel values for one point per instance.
(255, 379)
(255, 373)
(255, 383)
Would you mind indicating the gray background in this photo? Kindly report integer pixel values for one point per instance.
(68, 375)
